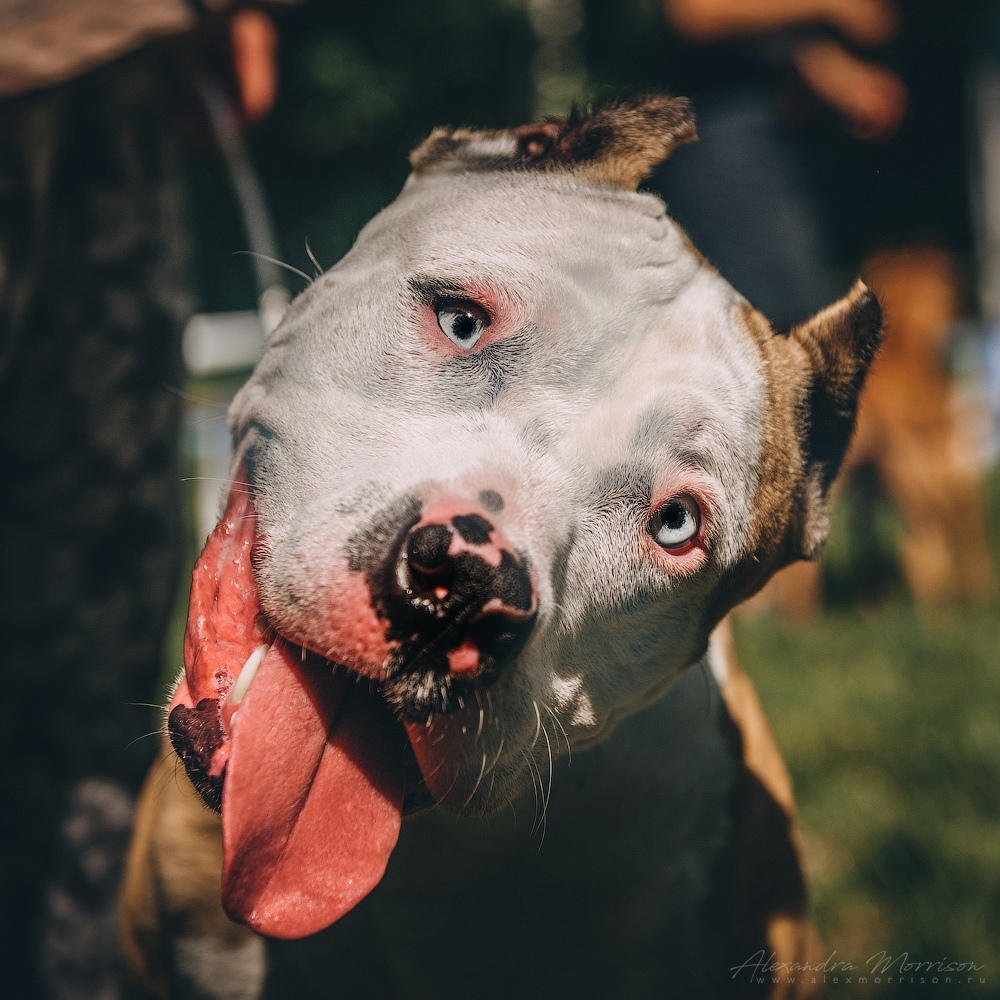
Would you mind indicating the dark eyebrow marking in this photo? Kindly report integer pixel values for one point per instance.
(623, 483)
(430, 291)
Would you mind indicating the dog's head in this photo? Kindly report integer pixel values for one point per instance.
(498, 475)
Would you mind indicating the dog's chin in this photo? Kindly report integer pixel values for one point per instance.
(475, 798)
(468, 763)
(453, 757)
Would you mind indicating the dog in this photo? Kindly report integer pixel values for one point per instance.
(913, 430)
(454, 671)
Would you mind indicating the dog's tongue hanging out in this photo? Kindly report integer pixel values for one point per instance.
(312, 763)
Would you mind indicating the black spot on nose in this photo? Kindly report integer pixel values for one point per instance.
(427, 548)
(491, 500)
(473, 528)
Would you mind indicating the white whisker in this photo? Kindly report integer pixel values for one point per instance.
(189, 398)
(482, 715)
(558, 722)
(548, 792)
(312, 257)
(534, 790)
(274, 260)
(475, 788)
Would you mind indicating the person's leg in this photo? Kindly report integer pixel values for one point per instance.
(90, 313)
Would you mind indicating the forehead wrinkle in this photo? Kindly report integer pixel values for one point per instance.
(663, 436)
(688, 440)
(524, 221)
(669, 408)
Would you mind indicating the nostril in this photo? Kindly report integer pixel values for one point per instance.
(427, 548)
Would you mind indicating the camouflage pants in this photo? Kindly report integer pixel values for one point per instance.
(91, 304)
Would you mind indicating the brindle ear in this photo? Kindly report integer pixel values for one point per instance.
(616, 145)
(839, 344)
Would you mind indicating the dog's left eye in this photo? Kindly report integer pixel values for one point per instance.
(463, 323)
(676, 523)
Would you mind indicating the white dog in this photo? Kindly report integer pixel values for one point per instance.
(498, 477)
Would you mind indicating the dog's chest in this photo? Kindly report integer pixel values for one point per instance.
(607, 895)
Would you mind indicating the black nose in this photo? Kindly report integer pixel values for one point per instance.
(467, 567)
(427, 549)
(463, 608)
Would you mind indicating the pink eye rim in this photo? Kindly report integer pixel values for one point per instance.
(506, 309)
(681, 478)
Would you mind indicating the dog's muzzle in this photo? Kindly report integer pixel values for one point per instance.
(462, 603)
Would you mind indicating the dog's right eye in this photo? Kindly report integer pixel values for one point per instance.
(675, 525)
(462, 322)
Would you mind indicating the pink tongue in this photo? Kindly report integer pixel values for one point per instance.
(312, 801)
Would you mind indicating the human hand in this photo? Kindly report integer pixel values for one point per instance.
(254, 40)
(871, 98)
(867, 22)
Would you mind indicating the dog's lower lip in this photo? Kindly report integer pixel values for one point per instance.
(416, 795)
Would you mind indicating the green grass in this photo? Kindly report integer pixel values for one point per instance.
(889, 719)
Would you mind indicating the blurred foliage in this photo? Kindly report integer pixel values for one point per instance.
(362, 84)
(627, 46)
(861, 559)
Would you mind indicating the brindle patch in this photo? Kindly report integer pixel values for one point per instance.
(616, 145)
(814, 375)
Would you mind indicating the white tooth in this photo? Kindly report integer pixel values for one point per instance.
(247, 673)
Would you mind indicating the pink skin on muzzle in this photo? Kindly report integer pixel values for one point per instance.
(474, 532)
(307, 767)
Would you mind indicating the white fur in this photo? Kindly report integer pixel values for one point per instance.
(628, 360)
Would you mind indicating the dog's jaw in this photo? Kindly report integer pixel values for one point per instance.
(307, 766)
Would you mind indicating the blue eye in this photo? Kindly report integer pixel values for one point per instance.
(463, 323)
(676, 523)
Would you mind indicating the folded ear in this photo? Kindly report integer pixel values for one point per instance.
(616, 145)
(839, 344)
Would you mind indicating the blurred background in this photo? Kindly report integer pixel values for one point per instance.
(837, 137)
